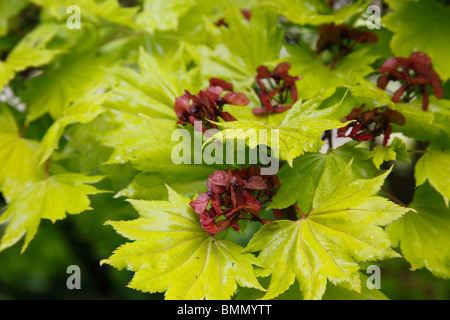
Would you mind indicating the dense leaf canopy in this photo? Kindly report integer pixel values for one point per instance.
(98, 99)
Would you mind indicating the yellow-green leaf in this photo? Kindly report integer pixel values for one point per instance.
(342, 229)
(423, 236)
(395, 151)
(18, 162)
(170, 252)
(434, 167)
(299, 132)
(50, 198)
(84, 110)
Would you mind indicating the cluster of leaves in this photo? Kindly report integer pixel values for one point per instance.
(90, 102)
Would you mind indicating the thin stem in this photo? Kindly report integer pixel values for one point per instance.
(328, 135)
(23, 130)
(47, 167)
(259, 195)
(299, 211)
(416, 151)
(117, 37)
(265, 201)
(394, 198)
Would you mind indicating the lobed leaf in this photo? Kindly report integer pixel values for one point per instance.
(18, 162)
(51, 199)
(423, 235)
(342, 229)
(299, 132)
(395, 151)
(433, 166)
(299, 182)
(171, 252)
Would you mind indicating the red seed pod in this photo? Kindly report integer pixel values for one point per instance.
(274, 93)
(207, 105)
(415, 74)
(370, 124)
(233, 195)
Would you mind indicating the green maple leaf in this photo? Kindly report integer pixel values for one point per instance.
(318, 76)
(18, 162)
(299, 182)
(237, 51)
(185, 179)
(364, 88)
(337, 293)
(84, 110)
(171, 252)
(434, 167)
(299, 132)
(441, 112)
(395, 151)
(421, 125)
(138, 139)
(412, 23)
(62, 83)
(342, 229)
(50, 199)
(332, 292)
(255, 42)
(162, 15)
(8, 9)
(425, 125)
(315, 12)
(152, 90)
(113, 11)
(423, 237)
(31, 51)
(90, 10)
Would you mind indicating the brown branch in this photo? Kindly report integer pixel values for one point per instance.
(416, 151)
(23, 130)
(299, 211)
(394, 198)
(47, 167)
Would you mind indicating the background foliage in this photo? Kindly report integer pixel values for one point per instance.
(86, 117)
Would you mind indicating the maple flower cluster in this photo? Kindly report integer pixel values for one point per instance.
(208, 104)
(370, 124)
(233, 195)
(415, 74)
(275, 92)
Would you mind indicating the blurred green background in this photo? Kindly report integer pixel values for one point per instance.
(84, 240)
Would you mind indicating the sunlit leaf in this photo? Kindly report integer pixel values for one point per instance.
(423, 235)
(433, 166)
(299, 132)
(342, 229)
(50, 198)
(395, 151)
(170, 252)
